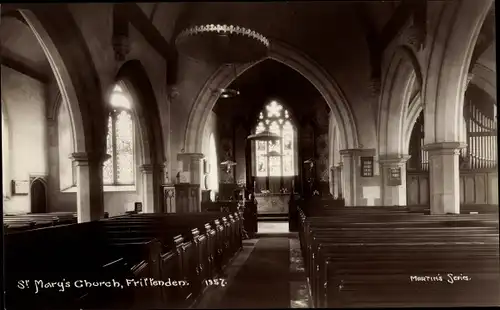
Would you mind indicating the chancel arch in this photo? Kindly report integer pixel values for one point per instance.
(225, 75)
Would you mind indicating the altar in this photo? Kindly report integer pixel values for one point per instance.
(272, 203)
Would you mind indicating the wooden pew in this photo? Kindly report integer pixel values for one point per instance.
(20, 222)
(132, 255)
(416, 244)
(192, 249)
(64, 253)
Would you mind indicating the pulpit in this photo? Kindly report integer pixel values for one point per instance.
(168, 198)
(187, 198)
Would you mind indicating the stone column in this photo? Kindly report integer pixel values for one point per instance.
(444, 177)
(148, 188)
(349, 173)
(393, 191)
(191, 166)
(89, 195)
(353, 184)
(340, 175)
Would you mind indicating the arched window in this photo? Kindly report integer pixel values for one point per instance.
(275, 159)
(119, 169)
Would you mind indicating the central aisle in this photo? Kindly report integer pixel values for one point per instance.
(262, 282)
(268, 273)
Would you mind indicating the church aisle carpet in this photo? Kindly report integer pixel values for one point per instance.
(263, 280)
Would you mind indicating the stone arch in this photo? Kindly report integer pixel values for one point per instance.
(133, 75)
(485, 79)
(414, 110)
(402, 73)
(296, 60)
(450, 55)
(38, 195)
(62, 74)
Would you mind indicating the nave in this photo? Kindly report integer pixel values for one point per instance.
(267, 274)
(152, 150)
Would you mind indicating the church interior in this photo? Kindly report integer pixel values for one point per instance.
(329, 154)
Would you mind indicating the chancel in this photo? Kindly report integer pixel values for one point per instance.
(248, 155)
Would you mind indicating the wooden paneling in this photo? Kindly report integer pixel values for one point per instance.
(476, 187)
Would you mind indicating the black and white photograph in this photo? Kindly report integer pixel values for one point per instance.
(249, 155)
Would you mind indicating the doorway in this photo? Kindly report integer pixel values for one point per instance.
(38, 193)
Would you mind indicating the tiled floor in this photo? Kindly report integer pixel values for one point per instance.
(256, 277)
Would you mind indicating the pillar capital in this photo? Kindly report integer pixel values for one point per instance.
(444, 148)
(83, 158)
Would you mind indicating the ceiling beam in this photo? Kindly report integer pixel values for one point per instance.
(144, 25)
(396, 23)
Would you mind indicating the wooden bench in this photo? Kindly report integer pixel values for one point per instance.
(361, 259)
(20, 222)
(201, 255)
(137, 253)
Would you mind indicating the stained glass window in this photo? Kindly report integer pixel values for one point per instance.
(119, 169)
(275, 158)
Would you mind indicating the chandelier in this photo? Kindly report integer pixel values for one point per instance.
(265, 135)
(222, 44)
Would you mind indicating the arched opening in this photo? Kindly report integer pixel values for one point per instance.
(38, 196)
(277, 98)
(477, 161)
(149, 145)
(120, 168)
(472, 127)
(295, 60)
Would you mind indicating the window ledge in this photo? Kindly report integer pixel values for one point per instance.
(106, 188)
(119, 188)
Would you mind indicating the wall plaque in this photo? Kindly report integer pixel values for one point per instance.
(395, 176)
(20, 187)
(138, 207)
(367, 166)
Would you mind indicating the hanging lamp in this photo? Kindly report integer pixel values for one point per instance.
(227, 93)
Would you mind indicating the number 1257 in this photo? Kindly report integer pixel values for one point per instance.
(219, 281)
